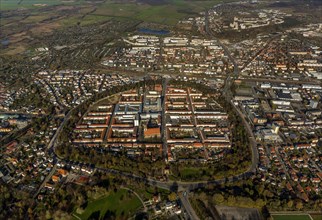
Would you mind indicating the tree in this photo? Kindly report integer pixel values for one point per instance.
(48, 214)
(231, 201)
(95, 215)
(265, 212)
(172, 196)
(174, 187)
(290, 204)
(299, 205)
(218, 198)
(260, 203)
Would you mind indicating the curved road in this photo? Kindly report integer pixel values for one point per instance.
(137, 195)
(229, 98)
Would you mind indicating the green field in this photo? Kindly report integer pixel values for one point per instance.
(46, 16)
(291, 217)
(15, 4)
(188, 173)
(88, 19)
(118, 203)
(192, 173)
(161, 14)
(169, 12)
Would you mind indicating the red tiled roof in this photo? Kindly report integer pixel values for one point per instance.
(152, 131)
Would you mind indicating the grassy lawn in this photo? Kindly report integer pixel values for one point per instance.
(190, 172)
(118, 203)
(291, 217)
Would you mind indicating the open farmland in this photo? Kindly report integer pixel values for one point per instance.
(172, 10)
(24, 22)
(35, 4)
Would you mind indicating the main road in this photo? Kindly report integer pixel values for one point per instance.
(50, 149)
(163, 117)
(187, 206)
(228, 94)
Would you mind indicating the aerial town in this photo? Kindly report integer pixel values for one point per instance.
(169, 110)
(192, 121)
(174, 54)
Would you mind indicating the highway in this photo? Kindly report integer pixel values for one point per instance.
(187, 206)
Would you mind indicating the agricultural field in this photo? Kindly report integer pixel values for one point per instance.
(25, 23)
(169, 12)
(292, 217)
(32, 4)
